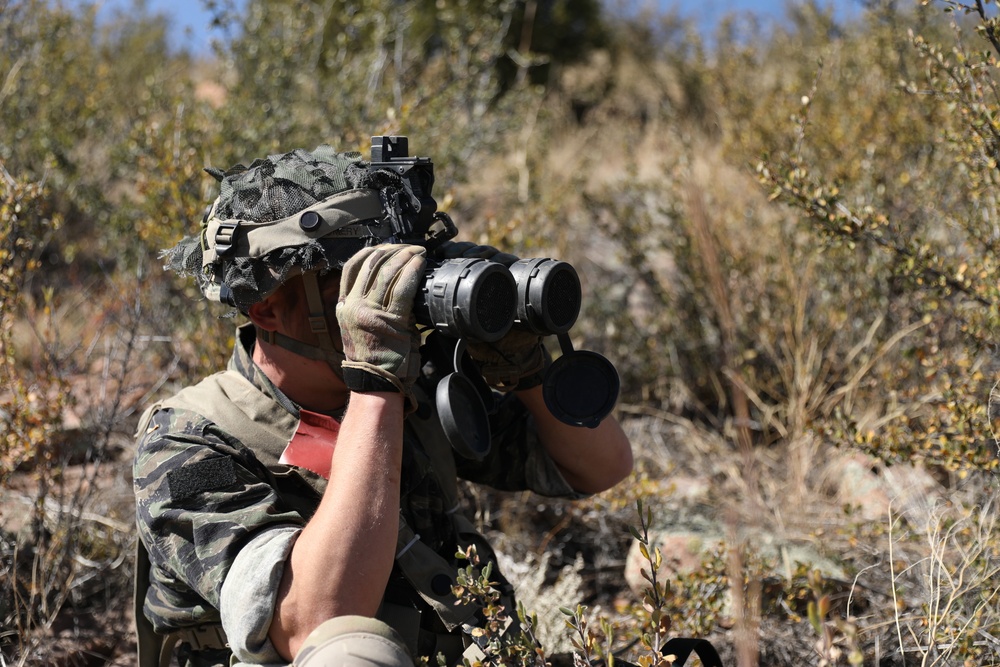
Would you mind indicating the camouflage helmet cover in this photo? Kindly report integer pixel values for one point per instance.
(283, 215)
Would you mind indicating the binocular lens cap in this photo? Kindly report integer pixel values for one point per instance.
(463, 416)
(548, 295)
(581, 388)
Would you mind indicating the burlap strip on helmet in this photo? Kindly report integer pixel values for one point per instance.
(257, 239)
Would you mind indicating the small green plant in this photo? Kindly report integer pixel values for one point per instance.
(655, 597)
(501, 640)
(832, 633)
(586, 641)
(689, 604)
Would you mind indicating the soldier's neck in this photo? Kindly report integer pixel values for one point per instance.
(308, 382)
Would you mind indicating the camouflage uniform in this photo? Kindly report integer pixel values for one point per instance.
(218, 515)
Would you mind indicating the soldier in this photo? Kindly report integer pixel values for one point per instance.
(303, 502)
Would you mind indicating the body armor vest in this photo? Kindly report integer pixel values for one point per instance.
(258, 421)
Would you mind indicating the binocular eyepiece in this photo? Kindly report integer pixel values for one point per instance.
(481, 300)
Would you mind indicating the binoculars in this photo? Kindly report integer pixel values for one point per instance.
(482, 300)
(471, 298)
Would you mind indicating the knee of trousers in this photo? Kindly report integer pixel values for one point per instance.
(353, 641)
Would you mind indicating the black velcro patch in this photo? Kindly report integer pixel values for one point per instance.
(205, 475)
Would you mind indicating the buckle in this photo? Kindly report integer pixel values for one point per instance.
(205, 638)
(270, 337)
(225, 238)
(317, 323)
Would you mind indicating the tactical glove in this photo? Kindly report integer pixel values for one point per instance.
(516, 361)
(381, 342)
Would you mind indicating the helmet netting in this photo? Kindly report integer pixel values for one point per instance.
(271, 189)
(282, 185)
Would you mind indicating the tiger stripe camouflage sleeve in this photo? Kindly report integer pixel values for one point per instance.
(200, 497)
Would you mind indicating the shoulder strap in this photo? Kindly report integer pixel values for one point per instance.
(431, 577)
(240, 409)
(425, 425)
(149, 643)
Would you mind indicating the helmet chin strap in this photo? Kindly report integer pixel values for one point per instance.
(325, 351)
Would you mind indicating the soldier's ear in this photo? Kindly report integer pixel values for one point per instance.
(266, 314)
(281, 308)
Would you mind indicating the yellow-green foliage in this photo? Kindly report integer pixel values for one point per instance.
(31, 394)
(916, 195)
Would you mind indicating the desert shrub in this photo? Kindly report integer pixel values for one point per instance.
(71, 326)
(917, 204)
(33, 397)
(68, 388)
(932, 237)
(347, 70)
(853, 316)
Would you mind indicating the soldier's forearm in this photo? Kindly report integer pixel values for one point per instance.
(342, 559)
(591, 459)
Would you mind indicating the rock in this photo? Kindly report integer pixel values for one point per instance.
(683, 552)
(853, 480)
(873, 488)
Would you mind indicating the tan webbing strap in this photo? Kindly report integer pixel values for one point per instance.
(149, 643)
(426, 571)
(317, 312)
(421, 565)
(334, 358)
(317, 323)
(430, 434)
(336, 218)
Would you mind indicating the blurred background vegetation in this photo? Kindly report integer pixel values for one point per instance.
(788, 240)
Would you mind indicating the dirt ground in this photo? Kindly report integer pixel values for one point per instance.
(79, 582)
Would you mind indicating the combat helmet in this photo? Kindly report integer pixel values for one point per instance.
(298, 213)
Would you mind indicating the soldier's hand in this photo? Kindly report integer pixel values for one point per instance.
(467, 249)
(375, 313)
(516, 361)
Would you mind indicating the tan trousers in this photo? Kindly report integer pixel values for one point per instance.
(353, 641)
